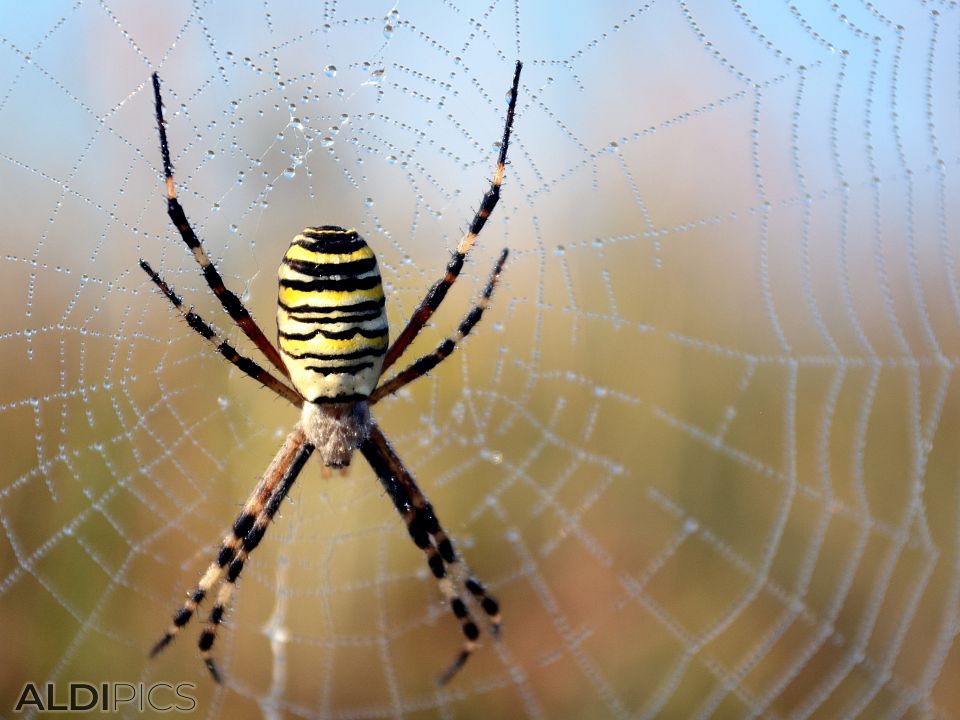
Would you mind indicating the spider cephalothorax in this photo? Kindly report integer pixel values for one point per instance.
(333, 349)
(336, 429)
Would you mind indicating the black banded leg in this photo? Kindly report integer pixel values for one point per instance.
(444, 548)
(283, 474)
(215, 572)
(425, 530)
(438, 291)
(232, 542)
(197, 595)
(490, 606)
(207, 332)
(231, 303)
(456, 571)
(427, 363)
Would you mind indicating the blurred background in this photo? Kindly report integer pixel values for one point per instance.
(702, 446)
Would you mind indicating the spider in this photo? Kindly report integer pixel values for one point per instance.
(331, 355)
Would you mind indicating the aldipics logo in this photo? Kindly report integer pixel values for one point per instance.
(106, 697)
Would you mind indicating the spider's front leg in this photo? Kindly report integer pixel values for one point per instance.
(244, 537)
(429, 536)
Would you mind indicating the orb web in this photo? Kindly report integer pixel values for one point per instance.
(700, 446)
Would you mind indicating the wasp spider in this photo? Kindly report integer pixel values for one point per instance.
(331, 356)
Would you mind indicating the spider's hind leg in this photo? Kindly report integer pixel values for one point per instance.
(438, 291)
(230, 302)
(206, 331)
(425, 364)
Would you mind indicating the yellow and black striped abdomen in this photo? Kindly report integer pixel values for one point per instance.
(331, 319)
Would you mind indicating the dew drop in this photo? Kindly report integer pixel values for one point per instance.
(492, 456)
(388, 31)
(327, 141)
(290, 172)
(392, 159)
(368, 202)
(613, 147)
(211, 154)
(278, 634)
(330, 71)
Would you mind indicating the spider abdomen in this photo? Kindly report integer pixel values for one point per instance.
(331, 319)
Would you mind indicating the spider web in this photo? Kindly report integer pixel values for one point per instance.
(702, 447)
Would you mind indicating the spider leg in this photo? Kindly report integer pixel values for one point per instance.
(425, 530)
(245, 364)
(439, 289)
(231, 303)
(427, 363)
(281, 472)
